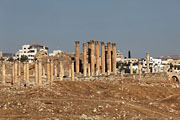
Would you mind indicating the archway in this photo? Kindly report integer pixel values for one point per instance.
(175, 78)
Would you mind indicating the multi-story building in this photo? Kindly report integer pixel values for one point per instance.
(30, 51)
(155, 65)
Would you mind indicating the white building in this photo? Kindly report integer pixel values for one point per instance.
(55, 52)
(155, 65)
(30, 51)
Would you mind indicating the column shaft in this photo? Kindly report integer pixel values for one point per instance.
(103, 57)
(19, 68)
(40, 72)
(147, 61)
(72, 71)
(48, 70)
(27, 72)
(24, 65)
(3, 73)
(60, 71)
(109, 57)
(92, 58)
(114, 58)
(84, 60)
(52, 71)
(131, 68)
(77, 56)
(97, 58)
(15, 72)
(36, 71)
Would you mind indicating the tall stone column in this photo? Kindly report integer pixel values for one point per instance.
(36, 71)
(43, 71)
(147, 61)
(52, 71)
(84, 60)
(60, 71)
(77, 56)
(97, 58)
(15, 72)
(72, 71)
(89, 52)
(92, 58)
(139, 68)
(103, 57)
(131, 68)
(137, 71)
(19, 68)
(12, 75)
(40, 72)
(27, 72)
(48, 70)
(89, 69)
(3, 73)
(109, 57)
(55, 71)
(114, 57)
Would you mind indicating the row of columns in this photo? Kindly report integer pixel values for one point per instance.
(111, 57)
(16, 72)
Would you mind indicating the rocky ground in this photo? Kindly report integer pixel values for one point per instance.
(83, 100)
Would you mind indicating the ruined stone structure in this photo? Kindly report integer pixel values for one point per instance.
(107, 64)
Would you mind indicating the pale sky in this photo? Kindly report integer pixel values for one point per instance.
(135, 25)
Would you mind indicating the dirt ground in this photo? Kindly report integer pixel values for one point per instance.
(83, 100)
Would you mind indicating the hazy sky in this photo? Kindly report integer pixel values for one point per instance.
(135, 25)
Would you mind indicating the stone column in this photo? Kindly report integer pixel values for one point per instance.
(109, 57)
(48, 70)
(43, 71)
(19, 68)
(139, 68)
(114, 58)
(147, 61)
(137, 71)
(36, 71)
(92, 58)
(3, 73)
(131, 68)
(40, 72)
(97, 58)
(15, 72)
(12, 76)
(72, 71)
(60, 71)
(27, 72)
(89, 69)
(77, 56)
(103, 57)
(52, 71)
(84, 60)
(55, 71)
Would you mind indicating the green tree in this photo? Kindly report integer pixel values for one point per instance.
(10, 59)
(23, 58)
